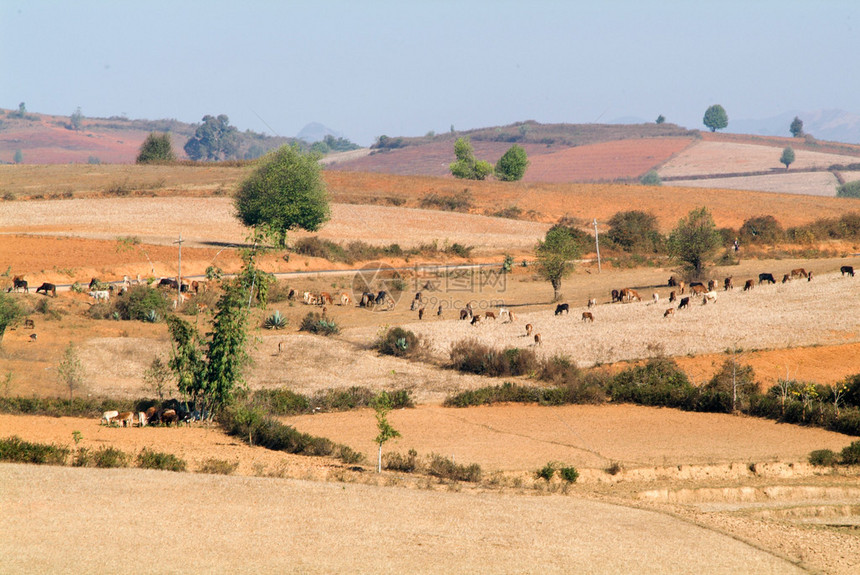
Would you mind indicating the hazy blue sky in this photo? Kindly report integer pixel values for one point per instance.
(408, 67)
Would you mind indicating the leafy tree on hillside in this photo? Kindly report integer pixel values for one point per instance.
(635, 230)
(761, 229)
(285, 191)
(18, 157)
(156, 148)
(849, 190)
(9, 312)
(21, 112)
(652, 178)
(76, 119)
(467, 166)
(787, 157)
(512, 165)
(661, 118)
(796, 128)
(70, 370)
(382, 405)
(716, 118)
(214, 140)
(555, 256)
(331, 144)
(693, 240)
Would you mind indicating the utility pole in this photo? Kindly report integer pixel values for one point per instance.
(179, 277)
(597, 245)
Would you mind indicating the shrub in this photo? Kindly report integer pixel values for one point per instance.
(316, 323)
(546, 472)
(849, 190)
(109, 457)
(761, 230)
(444, 468)
(569, 474)
(396, 462)
(148, 459)
(218, 466)
(57, 407)
(457, 202)
(282, 401)
(850, 454)
(315, 247)
(822, 458)
(471, 356)
(16, 450)
(275, 321)
(141, 303)
(399, 342)
(658, 382)
(652, 178)
(635, 231)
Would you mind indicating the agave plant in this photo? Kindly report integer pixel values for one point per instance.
(152, 316)
(275, 321)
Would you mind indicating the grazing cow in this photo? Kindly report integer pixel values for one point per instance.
(464, 314)
(766, 278)
(685, 302)
(367, 300)
(421, 313)
(291, 295)
(325, 298)
(141, 419)
(47, 287)
(586, 316)
(786, 278)
(100, 295)
(712, 285)
(847, 270)
(681, 286)
(169, 416)
(29, 324)
(33, 337)
(616, 295)
(668, 312)
(562, 307)
(728, 284)
(511, 317)
(710, 296)
(591, 303)
(629, 295)
(799, 273)
(655, 297)
(163, 282)
(696, 284)
(195, 286)
(503, 311)
(415, 301)
(344, 299)
(476, 319)
(107, 416)
(18, 282)
(151, 415)
(439, 311)
(697, 289)
(381, 297)
(126, 418)
(529, 329)
(672, 296)
(749, 285)
(490, 315)
(469, 309)
(538, 340)
(809, 276)
(672, 281)
(95, 283)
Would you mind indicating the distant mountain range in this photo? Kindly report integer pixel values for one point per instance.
(832, 125)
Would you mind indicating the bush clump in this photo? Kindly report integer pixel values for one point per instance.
(216, 466)
(316, 323)
(472, 356)
(399, 343)
(148, 459)
(569, 474)
(823, 458)
(444, 468)
(547, 471)
(16, 450)
(850, 454)
(108, 458)
(396, 462)
(659, 382)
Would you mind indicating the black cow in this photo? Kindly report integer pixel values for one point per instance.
(766, 278)
(47, 287)
(562, 307)
(381, 297)
(685, 302)
(847, 270)
(168, 282)
(20, 283)
(616, 295)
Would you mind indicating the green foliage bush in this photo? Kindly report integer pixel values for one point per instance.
(512, 165)
(148, 459)
(849, 190)
(77, 407)
(569, 473)
(400, 342)
(157, 148)
(823, 458)
(472, 356)
(651, 178)
(108, 457)
(456, 202)
(317, 324)
(281, 401)
(16, 450)
(850, 454)
(216, 466)
(546, 472)
(635, 231)
(139, 301)
(443, 468)
(397, 462)
(658, 382)
(761, 230)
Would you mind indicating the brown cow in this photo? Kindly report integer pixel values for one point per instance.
(529, 329)
(668, 312)
(490, 315)
(728, 284)
(126, 418)
(538, 340)
(672, 296)
(712, 285)
(799, 273)
(629, 295)
(681, 287)
(421, 313)
(697, 289)
(476, 319)
(47, 287)
(464, 314)
(749, 285)
(586, 316)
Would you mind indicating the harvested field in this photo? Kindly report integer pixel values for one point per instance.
(705, 158)
(607, 161)
(770, 316)
(808, 183)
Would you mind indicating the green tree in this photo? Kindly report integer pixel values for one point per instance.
(796, 128)
(661, 118)
(76, 119)
(20, 112)
(735, 380)
(10, 311)
(635, 230)
(284, 192)
(693, 240)
(761, 230)
(156, 148)
(70, 371)
(787, 157)
(18, 157)
(512, 165)
(849, 190)
(156, 377)
(555, 255)
(652, 178)
(466, 166)
(186, 357)
(716, 118)
(226, 354)
(382, 405)
(214, 140)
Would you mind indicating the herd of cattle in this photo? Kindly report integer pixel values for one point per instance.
(171, 411)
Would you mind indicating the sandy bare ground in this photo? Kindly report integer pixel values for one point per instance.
(809, 183)
(705, 158)
(249, 525)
